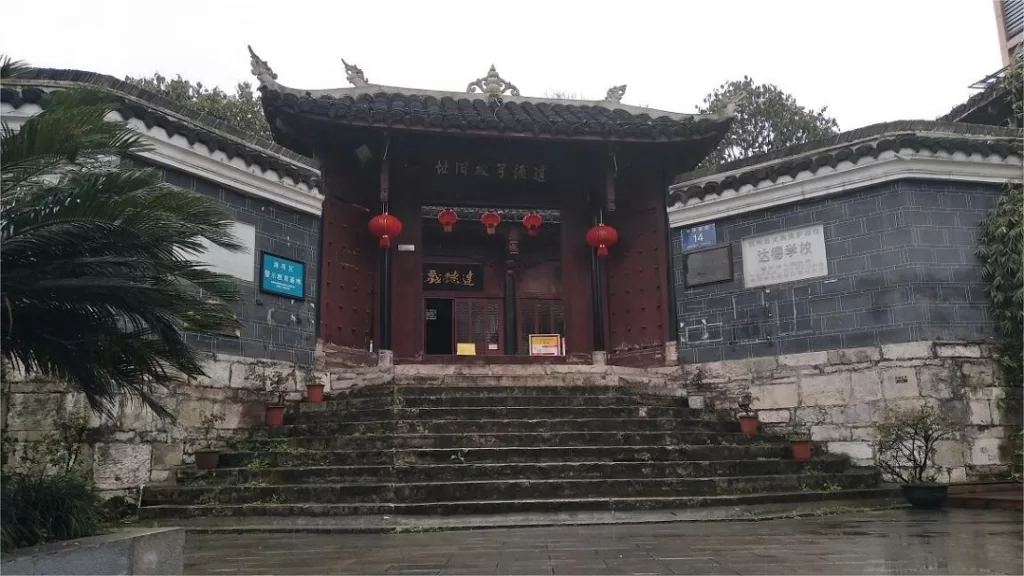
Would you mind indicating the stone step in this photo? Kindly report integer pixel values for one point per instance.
(503, 426)
(510, 506)
(477, 490)
(308, 413)
(342, 402)
(523, 439)
(458, 471)
(541, 454)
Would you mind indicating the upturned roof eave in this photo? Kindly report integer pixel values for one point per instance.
(372, 89)
(851, 139)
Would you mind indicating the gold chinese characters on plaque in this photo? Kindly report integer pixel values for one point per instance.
(453, 277)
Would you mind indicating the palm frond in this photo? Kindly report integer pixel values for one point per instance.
(98, 258)
(12, 68)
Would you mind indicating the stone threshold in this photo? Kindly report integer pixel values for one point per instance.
(410, 524)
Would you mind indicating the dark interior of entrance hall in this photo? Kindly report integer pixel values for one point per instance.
(485, 291)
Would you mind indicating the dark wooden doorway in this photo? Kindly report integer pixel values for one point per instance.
(439, 326)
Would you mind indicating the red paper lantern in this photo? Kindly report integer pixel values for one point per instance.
(490, 220)
(532, 222)
(447, 218)
(601, 237)
(385, 226)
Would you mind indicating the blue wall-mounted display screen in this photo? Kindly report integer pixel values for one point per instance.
(699, 237)
(282, 276)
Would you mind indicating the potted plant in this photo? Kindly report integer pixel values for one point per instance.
(906, 441)
(314, 386)
(208, 457)
(748, 419)
(274, 382)
(695, 393)
(800, 442)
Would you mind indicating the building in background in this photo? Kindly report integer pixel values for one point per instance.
(1010, 25)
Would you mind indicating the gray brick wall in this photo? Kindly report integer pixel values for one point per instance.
(273, 326)
(901, 268)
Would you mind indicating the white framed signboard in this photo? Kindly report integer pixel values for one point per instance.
(785, 256)
(545, 345)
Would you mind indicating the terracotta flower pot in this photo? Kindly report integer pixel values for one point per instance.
(275, 416)
(748, 424)
(801, 450)
(207, 459)
(315, 393)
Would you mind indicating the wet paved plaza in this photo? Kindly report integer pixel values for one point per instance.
(890, 542)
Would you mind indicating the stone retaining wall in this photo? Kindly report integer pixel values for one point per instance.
(839, 394)
(136, 447)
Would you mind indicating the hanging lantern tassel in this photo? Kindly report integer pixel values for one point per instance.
(601, 237)
(490, 220)
(532, 222)
(447, 218)
(385, 227)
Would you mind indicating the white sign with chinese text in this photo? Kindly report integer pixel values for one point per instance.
(784, 257)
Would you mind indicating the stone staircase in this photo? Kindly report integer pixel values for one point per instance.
(458, 448)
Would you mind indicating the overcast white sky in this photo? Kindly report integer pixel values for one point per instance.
(868, 60)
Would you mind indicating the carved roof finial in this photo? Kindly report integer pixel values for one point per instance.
(354, 74)
(261, 70)
(492, 85)
(615, 93)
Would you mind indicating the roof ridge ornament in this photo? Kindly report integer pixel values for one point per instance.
(615, 93)
(261, 70)
(492, 85)
(354, 75)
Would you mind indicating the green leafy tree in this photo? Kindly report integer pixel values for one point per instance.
(766, 119)
(242, 109)
(1001, 254)
(98, 256)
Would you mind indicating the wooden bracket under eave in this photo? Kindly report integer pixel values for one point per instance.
(385, 177)
(611, 168)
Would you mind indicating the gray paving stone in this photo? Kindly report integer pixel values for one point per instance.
(886, 542)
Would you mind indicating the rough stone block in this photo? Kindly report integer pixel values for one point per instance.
(120, 465)
(907, 351)
(985, 451)
(863, 434)
(135, 415)
(812, 415)
(805, 359)
(33, 411)
(775, 396)
(827, 390)
(773, 416)
(829, 432)
(980, 412)
(855, 450)
(958, 351)
(218, 373)
(979, 374)
(958, 474)
(935, 382)
(854, 355)
(191, 412)
(862, 414)
(160, 476)
(899, 383)
(866, 385)
(167, 455)
(949, 453)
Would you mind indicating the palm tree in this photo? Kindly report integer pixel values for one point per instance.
(98, 271)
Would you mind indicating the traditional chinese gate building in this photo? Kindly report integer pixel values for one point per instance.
(463, 222)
